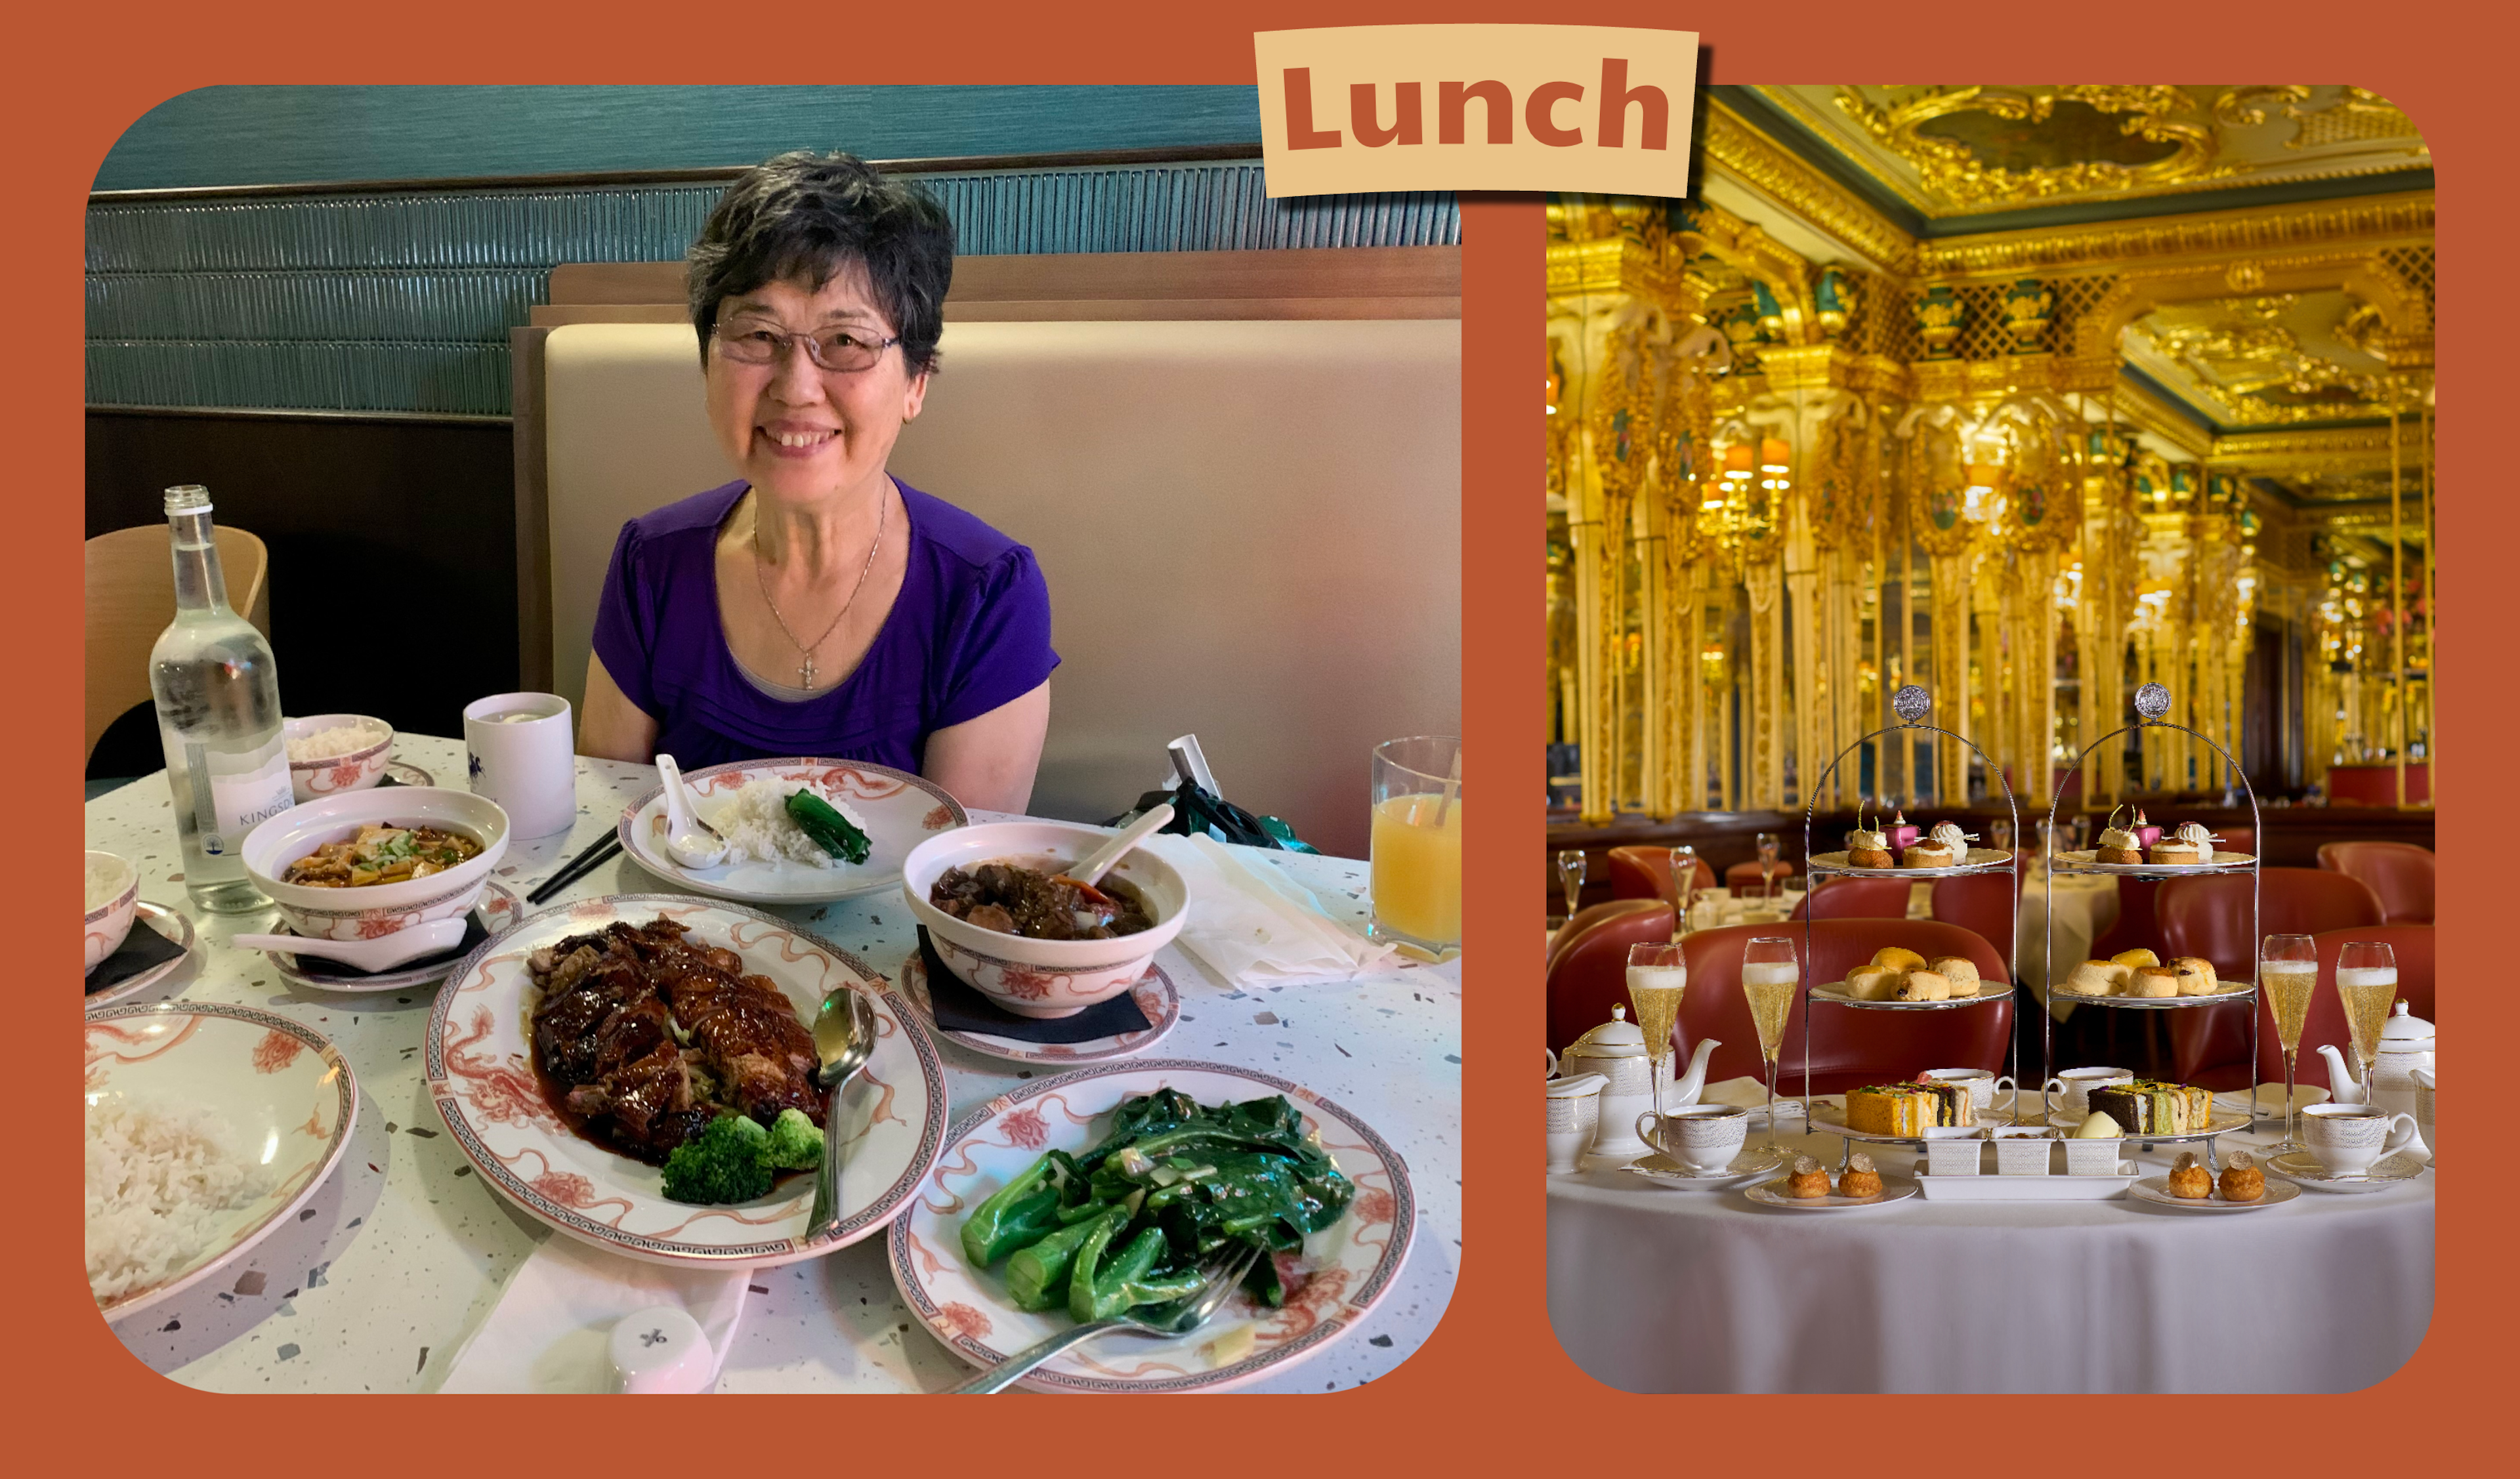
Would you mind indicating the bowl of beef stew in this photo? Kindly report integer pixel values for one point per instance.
(1004, 919)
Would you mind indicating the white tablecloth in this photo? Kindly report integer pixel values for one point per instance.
(1653, 1290)
(404, 1250)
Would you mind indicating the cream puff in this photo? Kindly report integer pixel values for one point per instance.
(1860, 1178)
(1806, 1179)
(1868, 849)
(2096, 978)
(2152, 981)
(2118, 844)
(2242, 1181)
(1960, 972)
(2189, 1179)
(2197, 976)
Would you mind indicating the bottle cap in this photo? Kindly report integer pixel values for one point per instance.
(188, 498)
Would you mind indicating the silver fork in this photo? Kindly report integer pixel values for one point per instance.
(1223, 1272)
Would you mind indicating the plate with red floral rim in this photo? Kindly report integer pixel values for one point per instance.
(1154, 993)
(1331, 1282)
(176, 926)
(478, 1058)
(901, 811)
(497, 910)
(281, 1092)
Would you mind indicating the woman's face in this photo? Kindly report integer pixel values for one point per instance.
(802, 434)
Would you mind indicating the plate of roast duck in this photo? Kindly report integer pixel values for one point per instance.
(637, 1071)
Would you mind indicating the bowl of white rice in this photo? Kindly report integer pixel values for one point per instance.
(758, 830)
(208, 1125)
(112, 899)
(330, 753)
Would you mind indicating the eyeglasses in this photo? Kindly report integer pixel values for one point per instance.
(838, 351)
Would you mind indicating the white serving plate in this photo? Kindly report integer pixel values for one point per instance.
(2304, 1170)
(2028, 1188)
(1829, 1118)
(277, 1084)
(1979, 860)
(1987, 991)
(2225, 1120)
(2223, 991)
(176, 926)
(2156, 1188)
(1343, 1271)
(2083, 862)
(1663, 1171)
(901, 811)
(1772, 1194)
(479, 1057)
(1155, 997)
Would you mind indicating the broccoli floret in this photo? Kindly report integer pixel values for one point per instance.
(721, 1164)
(795, 1144)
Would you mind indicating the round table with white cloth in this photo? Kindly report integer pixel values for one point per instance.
(2086, 906)
(1656, 1289)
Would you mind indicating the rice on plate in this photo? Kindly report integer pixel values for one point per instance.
(758, 830)
(159, 1182)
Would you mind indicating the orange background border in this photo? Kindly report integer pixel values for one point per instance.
(1492, 1387)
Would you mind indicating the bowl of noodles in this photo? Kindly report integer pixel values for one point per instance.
(360, 865)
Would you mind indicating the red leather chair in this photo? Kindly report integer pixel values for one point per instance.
(2216, 1061)
(1644, 872)
(1848, 1047)
(2209, 916)
(1588, 962)
(1858, 899)
(2399, 872)
(2239, 839)
(1741, 876)
(1979, 903)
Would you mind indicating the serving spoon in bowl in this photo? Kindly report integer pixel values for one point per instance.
(384, 953)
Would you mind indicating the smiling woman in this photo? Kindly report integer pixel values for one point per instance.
(817, 605)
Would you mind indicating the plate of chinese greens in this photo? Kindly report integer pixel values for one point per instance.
(1087, 1193)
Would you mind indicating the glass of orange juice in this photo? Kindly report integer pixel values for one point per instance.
(1418, 843)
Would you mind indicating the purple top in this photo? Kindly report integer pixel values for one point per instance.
(968, 633)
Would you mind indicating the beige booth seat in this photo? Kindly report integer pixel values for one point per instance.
(1251, 531)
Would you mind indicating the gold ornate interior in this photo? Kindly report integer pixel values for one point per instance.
(2029, 396)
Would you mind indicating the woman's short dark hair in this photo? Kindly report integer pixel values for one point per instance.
(805, 217)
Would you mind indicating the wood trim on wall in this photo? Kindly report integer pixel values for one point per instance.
(533, 516)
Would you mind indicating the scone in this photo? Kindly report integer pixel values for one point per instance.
(2135, 956)
(1873, 983)
(2242, 1181)
(2096, 978)
(1859, 1178)
(1923, 986)
(2152, 981)
(1959, 970)
(2196, 975)
(1806, 1179)
(2189, 1179)
(1898, 958)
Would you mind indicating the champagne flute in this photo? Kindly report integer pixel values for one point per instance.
(1684, 886)
(2288, 972)
(1570, 876)
(1770, 975)
(1767, 867)
(1999, 833)
(2366, 982)
(1657, 975)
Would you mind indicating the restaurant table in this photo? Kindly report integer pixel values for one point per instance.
(403, 1250)
(2086, 906)
(1656, 1289)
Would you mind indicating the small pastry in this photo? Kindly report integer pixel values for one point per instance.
(1898, 958)
(2189, 1179)
(1900, 831)
(1806, 1179)
(1873, 983)
(2118, 844)
(2197, 976)
(2135, 956)
(1859, 1178)
(1960, 972)
(1923, 986)
(2098, 1125)
(2190, 844)
(2152, 981)
(1868, 849)
(2242, 1181)
(2096, 978)
(1946, 847)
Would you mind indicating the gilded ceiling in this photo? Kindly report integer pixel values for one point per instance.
(1954, 152)
(2265, 360)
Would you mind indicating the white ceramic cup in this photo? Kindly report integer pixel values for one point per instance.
(2350, 1138)
(2069, 1094)
(1982, 1086)
(2425, 1085)
(523, 753)
(1574, 1114)
(1704, 1137)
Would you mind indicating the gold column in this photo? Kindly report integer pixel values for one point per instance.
(1763, 574)
(2396, 596)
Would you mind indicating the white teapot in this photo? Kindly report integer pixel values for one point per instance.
(2406, 1044)
(1616, 1051)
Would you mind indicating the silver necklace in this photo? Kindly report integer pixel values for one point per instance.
(805, 669)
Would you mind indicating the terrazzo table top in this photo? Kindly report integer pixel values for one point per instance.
(403, 1251)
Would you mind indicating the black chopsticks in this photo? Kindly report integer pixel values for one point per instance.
(595, 856)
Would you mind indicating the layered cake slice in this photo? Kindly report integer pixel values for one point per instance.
(2149, 1108)
(1909, 1108)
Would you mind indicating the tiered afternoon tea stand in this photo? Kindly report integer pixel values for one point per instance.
(1910, 704)
(2151, 701)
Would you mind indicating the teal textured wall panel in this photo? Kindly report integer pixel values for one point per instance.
(292, 135)
(401, 300)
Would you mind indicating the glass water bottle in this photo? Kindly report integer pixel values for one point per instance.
(218, 713)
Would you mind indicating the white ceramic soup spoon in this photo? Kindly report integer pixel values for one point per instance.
(384, 953)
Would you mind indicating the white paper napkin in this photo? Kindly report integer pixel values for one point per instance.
(1256, 926)
(548, 1331)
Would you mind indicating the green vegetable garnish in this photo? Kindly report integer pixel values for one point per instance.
(735, 1159)
(827, 828)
